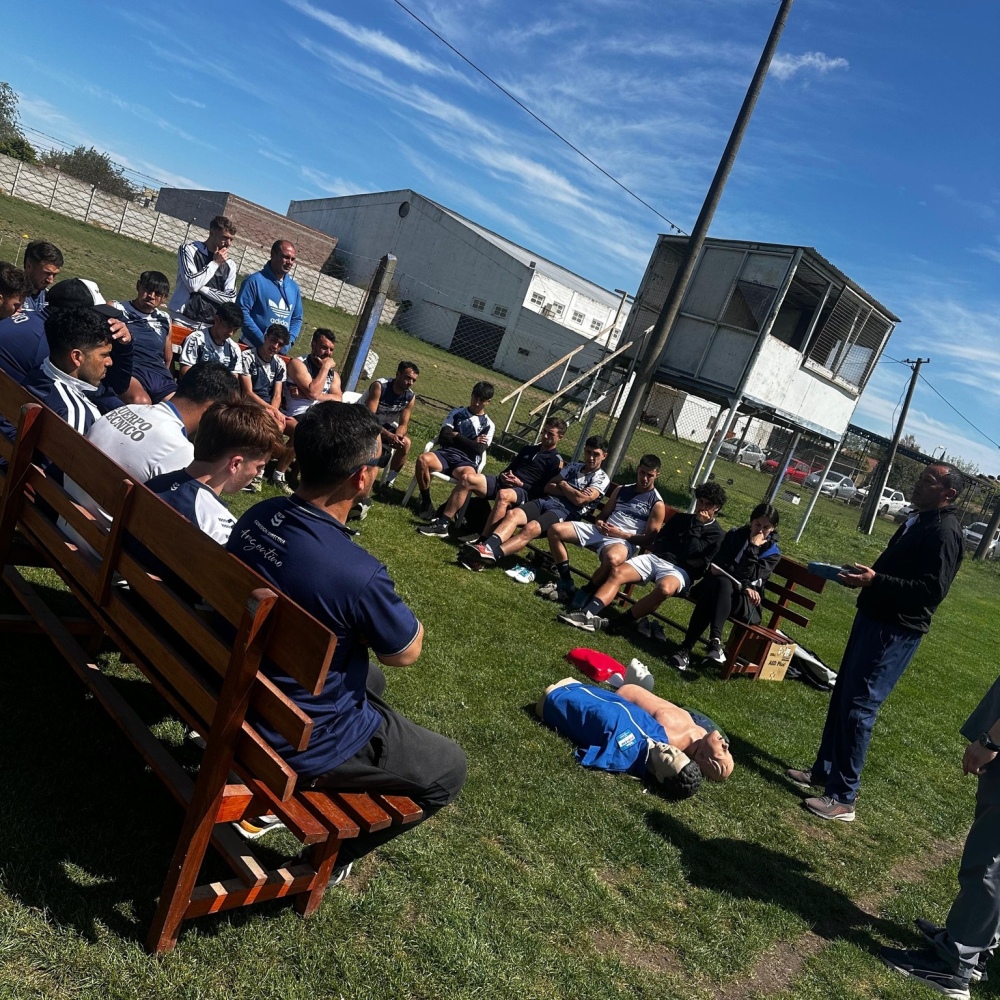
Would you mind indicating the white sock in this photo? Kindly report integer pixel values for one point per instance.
(277, 477)
(390, 476)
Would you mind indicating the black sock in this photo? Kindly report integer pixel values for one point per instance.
(425, 497)
(594, 606)
(564, 572)
(495, 546)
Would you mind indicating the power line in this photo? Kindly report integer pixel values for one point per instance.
(982, 433)
(541, 121)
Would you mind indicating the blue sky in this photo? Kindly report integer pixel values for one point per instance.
(875, 139)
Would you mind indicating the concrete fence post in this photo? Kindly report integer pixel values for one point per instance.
(316, 286)
(90, 204)
(156, 222)
(121, 221)
(239, 266)
(55, 188)
(17, 177)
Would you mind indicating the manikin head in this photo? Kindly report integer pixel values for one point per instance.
(711, 754)
(675, 774)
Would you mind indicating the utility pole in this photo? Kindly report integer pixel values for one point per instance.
(647, 368)
(870, 510)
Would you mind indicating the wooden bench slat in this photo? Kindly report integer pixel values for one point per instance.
(362, 809)
(402, 809)
(339, 823)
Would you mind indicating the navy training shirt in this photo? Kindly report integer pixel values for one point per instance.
(308, 555)
(22, 344)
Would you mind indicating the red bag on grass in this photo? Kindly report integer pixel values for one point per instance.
(595, 665)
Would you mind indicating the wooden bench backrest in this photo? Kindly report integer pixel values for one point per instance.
(184, 653)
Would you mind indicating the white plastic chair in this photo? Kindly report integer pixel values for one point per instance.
(445, 478)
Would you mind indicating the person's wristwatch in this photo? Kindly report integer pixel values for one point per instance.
(988, 744)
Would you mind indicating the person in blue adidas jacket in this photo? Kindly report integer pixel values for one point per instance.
(271, 296)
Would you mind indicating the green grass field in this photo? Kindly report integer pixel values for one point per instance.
(543, 880)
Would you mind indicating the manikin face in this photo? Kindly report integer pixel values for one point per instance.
(711, 754)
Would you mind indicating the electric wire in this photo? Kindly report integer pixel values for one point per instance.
(541, 121)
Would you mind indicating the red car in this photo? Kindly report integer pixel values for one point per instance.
(797, 470)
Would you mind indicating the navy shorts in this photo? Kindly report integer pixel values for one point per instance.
(452, 459)
(157, 382)
(493, 487)
(546, 511)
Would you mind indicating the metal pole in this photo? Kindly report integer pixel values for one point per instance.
(815, 496)
(779, 475)
(983, 548)
(646, 371)
(882, 476)
(708, 447)
(734, 412)
(371, 312)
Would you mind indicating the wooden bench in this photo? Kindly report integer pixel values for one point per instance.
(205, 666)
(780, 598)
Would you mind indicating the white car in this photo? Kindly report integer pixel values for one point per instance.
(891, 503)
(836, 485)
(973, 535)
(750, 454)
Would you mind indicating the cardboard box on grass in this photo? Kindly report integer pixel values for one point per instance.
(773, 652)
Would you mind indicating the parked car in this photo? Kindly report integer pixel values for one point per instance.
(973, 535)
(750, 454)
(903, 513)
(836, 485)
(796, 470)
(892, 501)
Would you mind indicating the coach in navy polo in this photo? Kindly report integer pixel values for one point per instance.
(300, 543)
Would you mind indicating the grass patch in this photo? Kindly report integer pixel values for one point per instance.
(543, 880)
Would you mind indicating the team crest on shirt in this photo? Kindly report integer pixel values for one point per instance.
(278, 519)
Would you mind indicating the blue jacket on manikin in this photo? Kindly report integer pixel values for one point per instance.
(264, 300)
(611, 733)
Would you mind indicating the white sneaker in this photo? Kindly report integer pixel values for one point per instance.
(638, 673)
(521, 574)
(715, 653)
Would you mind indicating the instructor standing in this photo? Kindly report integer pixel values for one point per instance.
(270, 296)
(898, 596)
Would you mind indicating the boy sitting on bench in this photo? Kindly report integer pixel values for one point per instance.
(565, 496)
(631, 517)
(465, 435)
(523, 480)
(679, 555)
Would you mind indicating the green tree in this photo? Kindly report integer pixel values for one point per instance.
(92, 167)
(19, 148)
(12, 140)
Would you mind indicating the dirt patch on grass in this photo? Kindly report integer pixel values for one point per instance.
(906, 871)
(627, 950)
(776, 969)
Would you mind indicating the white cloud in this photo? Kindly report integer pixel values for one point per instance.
(190, 101)
(335, 186)
(784, 67)
(377, 42)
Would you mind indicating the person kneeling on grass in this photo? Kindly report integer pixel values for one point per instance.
(523, 480)
(679, 555)
(565, 496)
(734, 584)
(466, 434)
(632, 516)
(636, 732)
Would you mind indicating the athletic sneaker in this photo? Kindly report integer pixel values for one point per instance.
(278, 482)
(803, 779)
(257, 826)
(521, 574)
(339, 874)
(548, 590)
(715, 652)
(827, 807)
(471, 562)
(933, 931)
(681, 660)
(482, 551)
(584, 620)
(438, 527)
(254, 486)
(927, 967)
(651, 629)
(427, 513)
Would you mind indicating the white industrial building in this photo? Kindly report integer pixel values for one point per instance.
(467, 289)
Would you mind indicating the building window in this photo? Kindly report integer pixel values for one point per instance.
(479, 304)
(500, 312)
(557, 308)
(537, 299)
(595, 324)
(577, 316)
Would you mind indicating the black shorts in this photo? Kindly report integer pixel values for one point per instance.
(157, 382)
(452, 459)
(493, 487)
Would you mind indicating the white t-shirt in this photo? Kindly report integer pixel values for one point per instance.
(144, 440)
